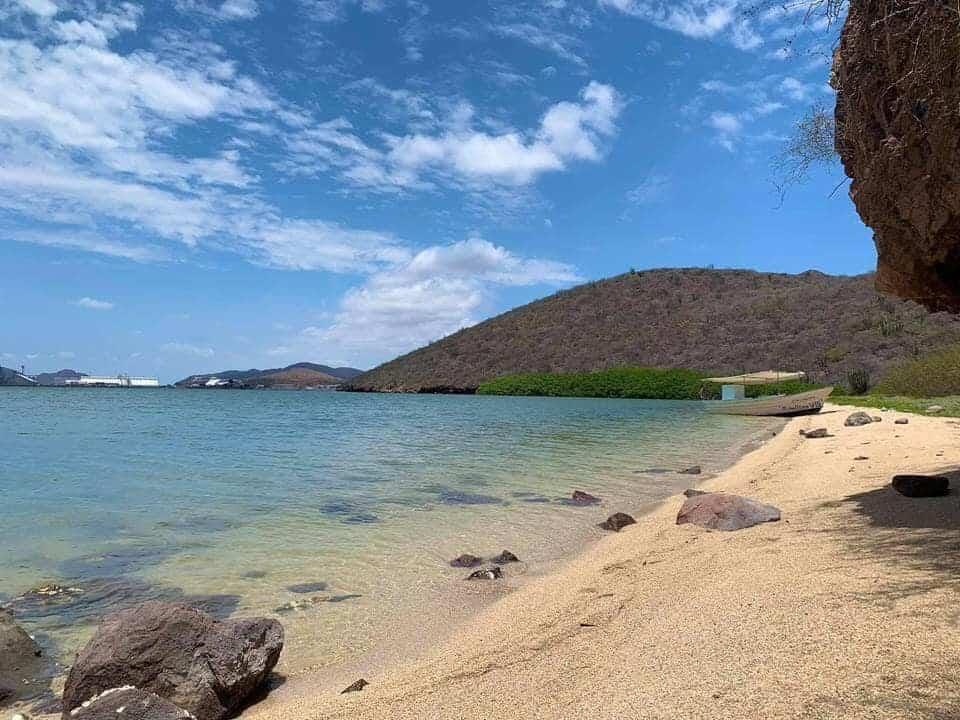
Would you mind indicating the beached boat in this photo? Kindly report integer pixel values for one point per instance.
(735, 402)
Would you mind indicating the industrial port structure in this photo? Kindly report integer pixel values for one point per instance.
(129, 381)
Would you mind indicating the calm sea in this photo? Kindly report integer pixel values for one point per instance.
(347, 506)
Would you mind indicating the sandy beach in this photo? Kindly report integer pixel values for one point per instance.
(846, 608)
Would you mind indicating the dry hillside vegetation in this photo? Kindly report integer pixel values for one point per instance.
(712, 320)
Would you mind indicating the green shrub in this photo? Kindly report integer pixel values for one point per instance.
(858, 381)
(635, 383)
(934, 375)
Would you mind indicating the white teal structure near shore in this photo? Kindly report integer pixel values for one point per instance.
(129, 381)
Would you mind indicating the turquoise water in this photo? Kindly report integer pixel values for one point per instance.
(227, 499)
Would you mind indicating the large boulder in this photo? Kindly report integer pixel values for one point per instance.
(897, 76)
(129, 703)
(207, 667)
(720, 511)
(21, 665)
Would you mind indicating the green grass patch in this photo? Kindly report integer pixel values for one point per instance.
(936, 375)
(917, 406)
(630, 382)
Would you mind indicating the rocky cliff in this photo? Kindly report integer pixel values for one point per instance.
(897, 76)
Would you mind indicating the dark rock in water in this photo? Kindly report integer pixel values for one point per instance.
(536, 500)
(720, 511)
(695, 470)
(816, 434)
(309, 587)
(208, 667)
(356, 687)
(921, 485)
(117, 562)
(654, 471)
(343, 598)
(22, 668)
(617, 522)
(505, 557)
(465, 561)
(690, 492)
(583, 498)
(254, 574)
(491, 573)
(858, 419)
(456, 497)
(129, 703)
(349, 513)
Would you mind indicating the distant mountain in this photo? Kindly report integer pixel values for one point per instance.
(298, 375)
(718, 321)
(58, 378)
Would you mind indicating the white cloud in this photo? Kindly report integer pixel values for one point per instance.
(439, 290)
(90, 303)
(316, 245)
(568, 131)
(91, 243)
(560, 44)
(181, 348)
(460, 152)
(725, 122)
(239, 9)
(652, 189)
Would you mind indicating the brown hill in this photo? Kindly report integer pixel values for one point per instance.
(295, 378)
(712, 320)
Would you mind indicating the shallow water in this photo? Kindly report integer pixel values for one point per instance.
(232, 499)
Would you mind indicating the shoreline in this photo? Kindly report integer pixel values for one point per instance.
(618, 626)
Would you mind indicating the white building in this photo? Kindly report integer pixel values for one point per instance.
(115, 381)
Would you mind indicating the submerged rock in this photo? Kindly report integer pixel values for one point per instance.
(129, 703)
(22, 668)
(695, 470)
(921, 485)
(857, 419)
(207, 667)
(583, 498)
(308, 587)
(355, 687)
(720, 511)
(490, 573)
(505, 557)
(617, 522)
(465, 561)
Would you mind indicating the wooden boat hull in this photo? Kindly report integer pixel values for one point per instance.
(806, 403)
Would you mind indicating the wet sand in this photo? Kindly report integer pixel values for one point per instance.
(846, 608)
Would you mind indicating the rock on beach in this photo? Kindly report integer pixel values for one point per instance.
(209, 668)
(720, 511)
(129, 703)
(617, 522)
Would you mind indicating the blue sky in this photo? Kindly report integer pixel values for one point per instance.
(194, 185)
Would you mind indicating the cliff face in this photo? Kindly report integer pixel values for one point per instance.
(897, 76)
(722, 321)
